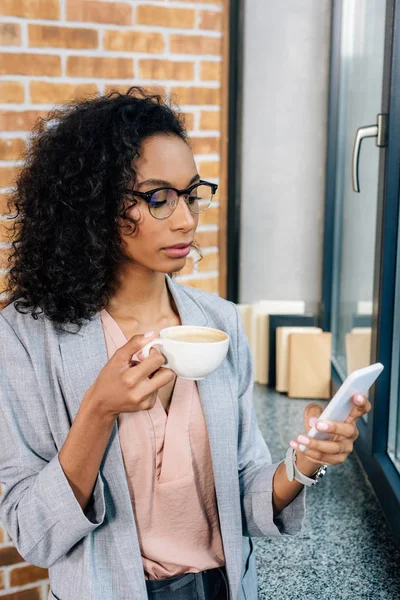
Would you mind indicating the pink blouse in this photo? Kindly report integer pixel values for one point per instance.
(170, 477)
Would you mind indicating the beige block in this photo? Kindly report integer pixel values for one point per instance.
(310, 365)
(259, 337)
(364, 307)
(358, 348)
(282, 353)
(262, 349)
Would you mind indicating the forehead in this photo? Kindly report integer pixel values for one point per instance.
(165, 157)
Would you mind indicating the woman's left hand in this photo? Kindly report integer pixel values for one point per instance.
(335, 450)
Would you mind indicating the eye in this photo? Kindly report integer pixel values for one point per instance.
(159, 199)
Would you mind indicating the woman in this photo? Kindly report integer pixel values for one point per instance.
(126, 482)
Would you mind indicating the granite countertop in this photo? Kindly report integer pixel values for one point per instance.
(347, 550)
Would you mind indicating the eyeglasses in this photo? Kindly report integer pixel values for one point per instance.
(163, 201)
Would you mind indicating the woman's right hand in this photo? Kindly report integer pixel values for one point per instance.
(123, 387)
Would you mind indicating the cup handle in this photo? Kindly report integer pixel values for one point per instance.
(156, 342)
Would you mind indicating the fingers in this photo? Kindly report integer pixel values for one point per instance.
(325, 459)
(161, 378)
(148, 366)
(143, 394)
(132, 346)
(343, 446)
(360, 408)
(312, 410)
(346, 430)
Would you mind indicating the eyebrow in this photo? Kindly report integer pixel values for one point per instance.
(162, 182)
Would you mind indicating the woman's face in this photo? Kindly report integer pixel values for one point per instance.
(165, 160)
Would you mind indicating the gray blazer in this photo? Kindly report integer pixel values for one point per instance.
(94, 554)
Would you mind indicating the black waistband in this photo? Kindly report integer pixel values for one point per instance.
(172, 584)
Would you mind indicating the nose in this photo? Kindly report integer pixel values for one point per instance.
(182, 218)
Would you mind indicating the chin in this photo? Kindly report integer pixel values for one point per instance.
(174, 265)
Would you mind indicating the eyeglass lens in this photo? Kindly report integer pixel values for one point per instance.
(163, 202)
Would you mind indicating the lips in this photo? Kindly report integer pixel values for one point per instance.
(178, 251)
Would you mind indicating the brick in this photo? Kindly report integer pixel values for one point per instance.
(210, 120)
(10, 34)
(188, 120)
(27, 574)
(12, 91)
(58, 93)
(12, 149)
(1, 580)
(196, 95)
(1, 535)
(32, 594)
(208, 285)
(133, 41)
(195, 44)
(210, 71)
(7, 177)
(29, 64)
(210, 262)
(166, 69)
(6, 237)
(211, 20)
(205, 145)
(31, 9)
(92, 66)
(94, 11)
(207, 239)
(4, 210)
(165, 17)
(202, 1)
(19, 120)
(5, 253)
(9, 555)
(44, 36)
(209, 169)
(122, 88)
(210, 216)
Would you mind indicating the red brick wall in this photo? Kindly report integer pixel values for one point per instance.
(55, 50)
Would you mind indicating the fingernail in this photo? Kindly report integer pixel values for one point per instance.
(359, 399)
(312, 421)
(322, 426)
(148, 334)
(303, 439)
(140, 356)
(293, 444)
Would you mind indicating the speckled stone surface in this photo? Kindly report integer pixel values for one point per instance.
(347, 550)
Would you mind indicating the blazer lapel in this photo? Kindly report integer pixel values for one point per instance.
(84, 354)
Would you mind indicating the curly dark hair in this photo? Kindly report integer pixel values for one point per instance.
(69, 199)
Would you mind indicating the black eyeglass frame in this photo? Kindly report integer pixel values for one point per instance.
(146, 196)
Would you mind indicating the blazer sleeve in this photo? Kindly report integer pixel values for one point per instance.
(256, 469)
(38, 507)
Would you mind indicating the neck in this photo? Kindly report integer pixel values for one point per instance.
(140, 295)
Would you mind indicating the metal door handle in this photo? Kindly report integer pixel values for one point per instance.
(378, 131)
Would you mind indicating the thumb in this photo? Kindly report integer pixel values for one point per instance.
(134, 344)
(311, 410)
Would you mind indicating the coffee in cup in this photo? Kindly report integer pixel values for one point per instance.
(191, 352)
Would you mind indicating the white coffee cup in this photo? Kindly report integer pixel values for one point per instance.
(192, 352)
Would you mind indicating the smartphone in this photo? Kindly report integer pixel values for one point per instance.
(341, 405)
